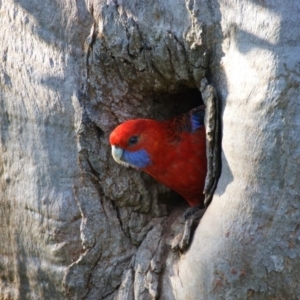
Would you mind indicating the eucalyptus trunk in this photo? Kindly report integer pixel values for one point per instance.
(73, 223)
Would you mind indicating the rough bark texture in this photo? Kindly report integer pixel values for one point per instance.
(76, 225)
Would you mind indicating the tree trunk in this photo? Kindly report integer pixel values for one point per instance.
(73, 223)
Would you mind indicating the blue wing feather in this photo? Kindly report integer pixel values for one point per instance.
(190, 122)
(197, 117)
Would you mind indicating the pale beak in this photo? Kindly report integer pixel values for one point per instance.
(117, 154)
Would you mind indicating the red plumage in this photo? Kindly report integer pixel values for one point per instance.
(176, 149)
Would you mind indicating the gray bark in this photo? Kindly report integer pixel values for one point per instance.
(39, 111)
(73, 223)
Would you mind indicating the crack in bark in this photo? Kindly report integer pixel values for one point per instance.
(120, 220)
(94, 174)
(90, 41)
(170, 59)
(156, 69)
(91, 273)
(111, 293)
(184, 52)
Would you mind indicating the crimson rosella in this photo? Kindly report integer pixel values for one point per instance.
(172, 151)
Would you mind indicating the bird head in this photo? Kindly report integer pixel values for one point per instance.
(133, 141)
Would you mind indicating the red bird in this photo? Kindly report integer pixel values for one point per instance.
(172, 151)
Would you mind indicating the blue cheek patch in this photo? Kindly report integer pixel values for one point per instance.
(139, 159)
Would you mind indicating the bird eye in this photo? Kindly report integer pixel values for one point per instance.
(133, 140)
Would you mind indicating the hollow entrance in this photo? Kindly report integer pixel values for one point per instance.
(168, 105)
